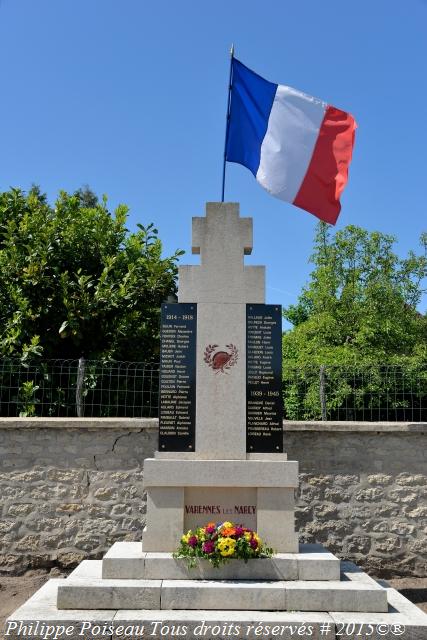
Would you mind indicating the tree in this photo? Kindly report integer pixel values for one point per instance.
(358, 310)
(361, 301)
(74, 282)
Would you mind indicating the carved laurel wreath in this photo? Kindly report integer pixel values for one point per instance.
(221, 360)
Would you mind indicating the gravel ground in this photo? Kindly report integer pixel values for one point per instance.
(14, 591)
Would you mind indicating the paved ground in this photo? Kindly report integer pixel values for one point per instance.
(415, 589)
(14, 591)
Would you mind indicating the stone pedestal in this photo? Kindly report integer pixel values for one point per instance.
(256, 493)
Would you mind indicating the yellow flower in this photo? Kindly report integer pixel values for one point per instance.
(185, 538)
(226, 546)
(258, 539)
(248, 536)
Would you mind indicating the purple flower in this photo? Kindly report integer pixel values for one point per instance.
(239, 531)
(253, 543)
(208, 546)
(192, 541)
(210, 529)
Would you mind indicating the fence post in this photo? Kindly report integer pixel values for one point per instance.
(79, 387)
(322, 391)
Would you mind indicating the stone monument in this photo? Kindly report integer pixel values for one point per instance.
(214, 470)
(220, 458)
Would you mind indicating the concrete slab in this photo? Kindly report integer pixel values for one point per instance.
(125, 549)
(248, 625)
(405, 607)
(27, 621)
(350, 571)
(262, 595)
(92, 593)
(335, 596)
(318, 566)
(220, 473)
(163, 566)
(402, 620)
(266, 456)
(88, 569)
(193, 455)
(124, 560)
(235, 595)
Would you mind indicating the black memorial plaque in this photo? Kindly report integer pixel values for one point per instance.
(177, 397)
(264, 409)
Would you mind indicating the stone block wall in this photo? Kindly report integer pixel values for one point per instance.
(363, 493)
(71, 488)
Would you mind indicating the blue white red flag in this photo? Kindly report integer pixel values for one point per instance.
(298, 147)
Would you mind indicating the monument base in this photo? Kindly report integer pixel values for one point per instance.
(89, 605)
(126, 560)
(186, 493)
(130, 579)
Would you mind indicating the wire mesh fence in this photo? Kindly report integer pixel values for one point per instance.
(92, 388)
(374, 393)
(79, 388)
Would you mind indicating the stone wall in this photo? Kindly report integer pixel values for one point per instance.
(363, 492)
(71, 488)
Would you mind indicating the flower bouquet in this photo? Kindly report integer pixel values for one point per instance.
(219, 543)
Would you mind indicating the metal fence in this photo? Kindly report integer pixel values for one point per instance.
(82, 388)
(374, 393)
(89, 388)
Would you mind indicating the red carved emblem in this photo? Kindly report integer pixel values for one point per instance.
(221, 360)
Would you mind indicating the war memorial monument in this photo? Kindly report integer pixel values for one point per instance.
(220, 457)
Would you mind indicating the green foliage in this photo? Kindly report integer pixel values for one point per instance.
(26, 399)
(356, 392)
(74, 281)
(358, 312)
(360, 303)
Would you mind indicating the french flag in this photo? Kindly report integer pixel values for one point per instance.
(298, 147)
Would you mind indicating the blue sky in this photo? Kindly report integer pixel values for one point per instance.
(129, 97)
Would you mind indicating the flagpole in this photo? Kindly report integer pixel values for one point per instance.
(227, 121)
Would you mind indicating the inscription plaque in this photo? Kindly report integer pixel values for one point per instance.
(177, 394)
(264, 408)
(238, 504)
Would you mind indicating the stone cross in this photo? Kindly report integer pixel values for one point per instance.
(221, 286)
(222, 239)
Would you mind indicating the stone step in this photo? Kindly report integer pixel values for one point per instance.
(279, 595)
(126, 560)
(41, 610)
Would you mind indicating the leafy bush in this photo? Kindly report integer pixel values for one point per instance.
(74, 282)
